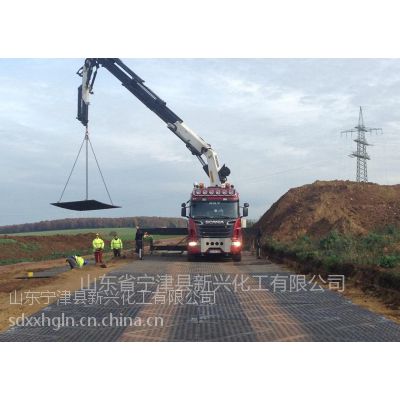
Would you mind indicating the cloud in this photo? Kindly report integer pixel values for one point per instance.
(275, 123)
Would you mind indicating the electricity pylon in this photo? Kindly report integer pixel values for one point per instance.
(361, 152)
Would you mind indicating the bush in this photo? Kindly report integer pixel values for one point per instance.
(335, 242)
(389, 261)
(389, 279)
(391, 230)
(332, 260)
(305, 240)
(306, 255)
(374, 240)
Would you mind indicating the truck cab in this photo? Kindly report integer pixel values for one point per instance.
(214, 222)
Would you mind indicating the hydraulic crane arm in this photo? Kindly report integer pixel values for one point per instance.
(136, 86)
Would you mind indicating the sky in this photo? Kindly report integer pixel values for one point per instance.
(275, 123)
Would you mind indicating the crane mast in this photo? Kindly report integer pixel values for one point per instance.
(196, 144)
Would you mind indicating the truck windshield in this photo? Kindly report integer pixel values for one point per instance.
(214, 209)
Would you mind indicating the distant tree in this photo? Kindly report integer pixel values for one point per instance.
(95, 223)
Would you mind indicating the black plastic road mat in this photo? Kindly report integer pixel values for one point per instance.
(84, 205)
(258, 308)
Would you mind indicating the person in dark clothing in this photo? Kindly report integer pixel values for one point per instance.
(138, 239)
(258, 243)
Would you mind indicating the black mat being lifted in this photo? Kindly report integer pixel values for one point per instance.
(84, 205)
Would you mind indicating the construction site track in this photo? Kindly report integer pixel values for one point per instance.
(211, 300)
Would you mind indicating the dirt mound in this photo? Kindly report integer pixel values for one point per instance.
(33, 248)
(318, 208)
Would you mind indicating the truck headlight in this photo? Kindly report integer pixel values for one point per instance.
(192, 244)
(236, 243)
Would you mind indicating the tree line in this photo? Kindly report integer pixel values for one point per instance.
(81, 223)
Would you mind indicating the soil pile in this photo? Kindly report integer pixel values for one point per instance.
(317, 209)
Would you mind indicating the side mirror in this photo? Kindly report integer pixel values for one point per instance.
(183, 209)
(245, 209)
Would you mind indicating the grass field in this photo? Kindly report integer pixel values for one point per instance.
(45, 245)
(124, 233)
(376, 249)
(105, 233)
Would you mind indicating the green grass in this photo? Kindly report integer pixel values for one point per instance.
(128, 233)
(381, 248)
(7, 241)
(30, 246)
(105, 233)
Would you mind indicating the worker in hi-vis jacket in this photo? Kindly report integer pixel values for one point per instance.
(116, 246)
(98, 246)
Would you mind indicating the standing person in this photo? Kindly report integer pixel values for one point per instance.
(98, 246)
(138, 239)
(149, 239)
(116, 246)
(258, 243)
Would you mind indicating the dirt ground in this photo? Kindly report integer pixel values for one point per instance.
(371, 302)
(35, 248)
(16, 249)
(14, 278)
(10, 281)
(317, 209)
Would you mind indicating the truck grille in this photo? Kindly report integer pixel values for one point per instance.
(214, 231)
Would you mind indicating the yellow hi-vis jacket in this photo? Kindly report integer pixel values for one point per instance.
(116, 244)
(79, 261)
(98, 244)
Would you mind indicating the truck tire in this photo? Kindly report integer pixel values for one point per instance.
(237, 257)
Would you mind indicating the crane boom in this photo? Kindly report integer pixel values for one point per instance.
(196, 144)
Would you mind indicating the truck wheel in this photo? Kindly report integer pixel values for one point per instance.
(237, 257)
